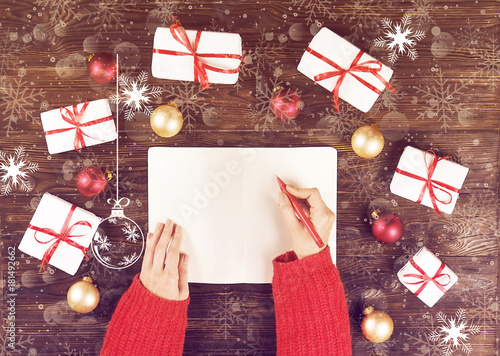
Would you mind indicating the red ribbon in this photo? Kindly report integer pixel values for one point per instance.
(74, 118)
(64, 236)
(200, 69)
(371, 66)
(432, 184)
(425, 279)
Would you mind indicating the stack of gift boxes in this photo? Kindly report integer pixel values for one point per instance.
(60, 233)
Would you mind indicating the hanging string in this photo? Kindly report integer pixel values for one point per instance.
(117, 131)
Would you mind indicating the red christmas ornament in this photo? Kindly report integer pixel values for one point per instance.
(102, 68)
(286, 103)
(91, 182)
(388, 228)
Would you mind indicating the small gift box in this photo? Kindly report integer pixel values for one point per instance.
(427, 277)
(424, 178)
(77, 126)
(345, 70)
(59, 233)
(200, 56)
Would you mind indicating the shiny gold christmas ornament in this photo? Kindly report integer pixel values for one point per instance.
(367, 141)
(83, 296)
(376, 326)
(166, 120)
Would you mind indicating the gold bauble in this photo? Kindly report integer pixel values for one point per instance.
(83, 296)
(376, 326)
(367, 141)
(166, 120)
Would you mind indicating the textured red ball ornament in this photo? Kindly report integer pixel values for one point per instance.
(102, 68)
(388, 228)
(286, 103)
(91, 182)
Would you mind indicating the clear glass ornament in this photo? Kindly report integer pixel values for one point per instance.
(118, 242)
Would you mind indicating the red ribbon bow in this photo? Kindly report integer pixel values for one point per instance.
(58, 237)
(425, 279)
(371, 66)
(200, 69)
(74, 118)
(432, 184)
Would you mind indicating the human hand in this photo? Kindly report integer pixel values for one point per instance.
(165, 272)
(316, 210)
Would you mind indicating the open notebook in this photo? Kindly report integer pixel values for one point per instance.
(226, 200)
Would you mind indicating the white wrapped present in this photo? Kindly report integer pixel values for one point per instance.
(201, 56)
(77, 126)
(424, 178)
(345, 70)
(59, 233)
(427, 277)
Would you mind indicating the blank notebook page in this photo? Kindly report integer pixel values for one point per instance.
(226, 200)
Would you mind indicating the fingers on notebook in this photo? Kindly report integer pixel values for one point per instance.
(173, 257)
(288, 212)
(183, 275)
(312, 195)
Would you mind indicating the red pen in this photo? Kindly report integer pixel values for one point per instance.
(300, 213)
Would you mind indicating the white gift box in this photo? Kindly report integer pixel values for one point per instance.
(78, 126)
(427, 276)
(48, 223)
(412, 175)
(173, 60)
(336, 49)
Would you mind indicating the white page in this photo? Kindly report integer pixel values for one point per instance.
(226, 200)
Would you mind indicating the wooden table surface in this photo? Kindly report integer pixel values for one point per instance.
(447, 100)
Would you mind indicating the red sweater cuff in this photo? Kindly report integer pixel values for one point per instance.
(145, 324)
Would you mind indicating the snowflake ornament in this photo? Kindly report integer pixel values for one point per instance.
(453, 332)
(14, 171)
(399, 38)
(131, 233)
(136, 94)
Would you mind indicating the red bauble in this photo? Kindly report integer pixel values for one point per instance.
(286, 103)
(91, 182)
(388, 228)
(102, 68)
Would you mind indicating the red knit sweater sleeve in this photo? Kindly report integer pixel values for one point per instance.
(311, 310)
(144, 324)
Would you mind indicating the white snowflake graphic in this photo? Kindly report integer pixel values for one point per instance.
(261, 115)
(128, 259)
(469, 37)
(362, 181)
(190, 100)
(489, 64)
(59, 10)
(131, 232)
(14, 171)
(422, 10)
(361, 15)
(22, 343)
(484, 304)
(388, 100)
(102, 241)
(164, 12)
(69, 351)
(227, 312)
(316, 8)
(10, 51)
(453, 332)
(18, 101)
(422, 345)
(261, 59)
(399, 38)
(443, 99)
(107, 14)
(342, 123)
(136, 94)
